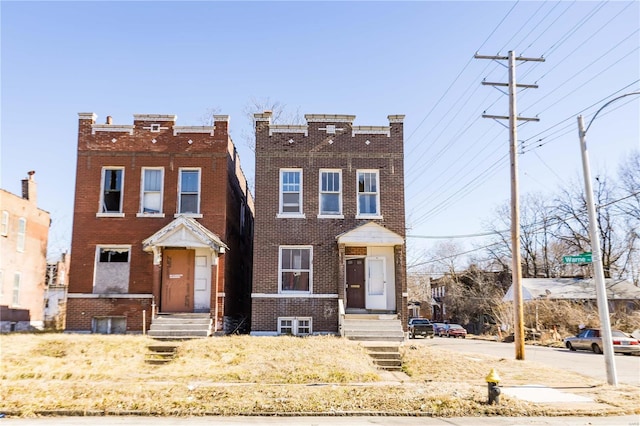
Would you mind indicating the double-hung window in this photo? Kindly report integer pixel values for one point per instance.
(151, 188)
(112, 190)
(295, 269)
(22, 234)
(189, 192)
(330, 193)
(16, 289)
(4, 226)
(291, 193)
(368, 194)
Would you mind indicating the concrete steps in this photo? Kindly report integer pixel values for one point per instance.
(385, 355)
(181, 326)
(160, 354)
(373, 327)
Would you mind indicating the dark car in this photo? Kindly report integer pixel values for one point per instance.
(420, 327)
(589, 339)
(439, 328)
(455, 330)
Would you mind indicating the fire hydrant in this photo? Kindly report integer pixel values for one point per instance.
(493, 395)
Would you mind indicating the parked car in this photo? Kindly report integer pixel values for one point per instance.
(455, 330)
(589, 339)
(439, 328)
(420, 327)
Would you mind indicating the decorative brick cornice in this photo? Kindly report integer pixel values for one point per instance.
(155, 117)
(193, 129)
(329, 118)
(371, 130)
(288, 128)
(128, 128)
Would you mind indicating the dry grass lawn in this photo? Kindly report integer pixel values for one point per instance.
(46, 374)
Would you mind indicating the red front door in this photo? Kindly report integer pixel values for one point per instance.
(355, 283)
(177, 280)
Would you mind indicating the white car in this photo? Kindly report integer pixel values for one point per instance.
(589, 339)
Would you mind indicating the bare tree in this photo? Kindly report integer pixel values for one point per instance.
(630, 186)
(279, 115)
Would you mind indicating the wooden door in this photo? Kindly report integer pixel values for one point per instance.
(355, 283)
(177, 280)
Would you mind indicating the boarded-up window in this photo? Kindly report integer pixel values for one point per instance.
(112, 270)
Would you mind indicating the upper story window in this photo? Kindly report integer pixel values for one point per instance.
(151, 186)
(291, 193)
(368, 194)
(22, 234)
(295, 269)
(112, 190)
(189, 191)
(330, 193)
(4, 226)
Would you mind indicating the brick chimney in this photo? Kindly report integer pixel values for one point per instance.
(29, 190)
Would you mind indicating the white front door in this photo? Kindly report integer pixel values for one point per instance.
(376, 296)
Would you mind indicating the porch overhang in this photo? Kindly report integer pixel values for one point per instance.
(183, 232)
(370, 234)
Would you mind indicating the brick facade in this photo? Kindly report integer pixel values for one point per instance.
(328, 142)
(154, 141)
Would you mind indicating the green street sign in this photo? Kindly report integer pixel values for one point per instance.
(582, 258)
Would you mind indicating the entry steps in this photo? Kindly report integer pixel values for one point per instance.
(373, 327)
(181, 326)
(385, 355)
(160, 354)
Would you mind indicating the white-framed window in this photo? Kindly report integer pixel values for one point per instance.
(296, 326)
(368, 193)
(151, 188)
(295, 269)
(112, 193)
(112, 266)
(290, 193)
(16, 289)
(22, 234)
(4, 226)
(189, 191)
(330, 189)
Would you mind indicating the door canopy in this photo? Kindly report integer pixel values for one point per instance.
(183, 232)
(370, 234)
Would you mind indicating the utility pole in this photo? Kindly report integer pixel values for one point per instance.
(516, 261)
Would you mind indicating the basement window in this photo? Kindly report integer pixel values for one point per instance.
(294, 326)
(109, 325)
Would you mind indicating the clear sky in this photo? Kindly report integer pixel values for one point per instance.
(370, 59)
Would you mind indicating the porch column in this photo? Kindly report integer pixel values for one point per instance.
(157, 277)
(341, 276)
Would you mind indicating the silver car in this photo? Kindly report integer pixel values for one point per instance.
(589, 339)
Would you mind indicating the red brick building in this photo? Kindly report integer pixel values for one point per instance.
(163, 222)
(329, 226)
(24, 233)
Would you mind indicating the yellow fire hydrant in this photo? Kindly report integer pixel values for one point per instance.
(492, 387)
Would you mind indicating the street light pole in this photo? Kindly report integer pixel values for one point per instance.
(598, 271)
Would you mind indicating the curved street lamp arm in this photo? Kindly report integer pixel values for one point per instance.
(607, 104)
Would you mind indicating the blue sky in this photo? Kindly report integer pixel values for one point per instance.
(370, 59)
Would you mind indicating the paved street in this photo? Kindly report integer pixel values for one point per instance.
(583, 362)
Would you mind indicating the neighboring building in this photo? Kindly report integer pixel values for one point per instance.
(622, 295)
(24, 233)
(55, 308)
(163, 222)
(330, 225)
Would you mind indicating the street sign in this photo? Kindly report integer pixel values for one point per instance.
(582, 258)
